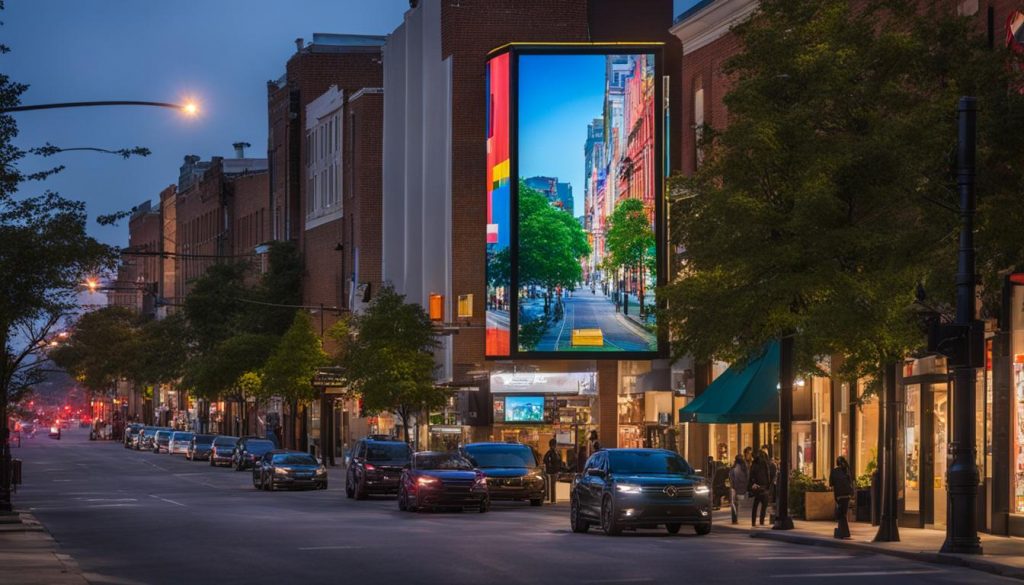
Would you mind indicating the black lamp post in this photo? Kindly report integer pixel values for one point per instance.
(188, 108)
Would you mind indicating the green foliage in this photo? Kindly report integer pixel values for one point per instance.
(799, 484)
(389, 362)
(159, 350)
(212, 307)
(219, 372)
(281, 285)
(499, 268)
(814, 212)
(289, 370)
(629, 240)
(551, 242)
(99, 352)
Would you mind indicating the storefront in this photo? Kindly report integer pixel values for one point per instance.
(925, 424)
(534, 407)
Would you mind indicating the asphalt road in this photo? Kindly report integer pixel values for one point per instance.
(138, 518)
(584, 310)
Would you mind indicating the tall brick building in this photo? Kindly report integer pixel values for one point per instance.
(139, 275)
(434, 173)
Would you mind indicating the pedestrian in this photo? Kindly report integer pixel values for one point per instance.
(759, 482)
(842, 491)
(595, 445)
(748, 456)
(552, 467)
(709, 470)
(738, 480)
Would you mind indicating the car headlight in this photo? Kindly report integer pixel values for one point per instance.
(480, 483)
(627, 488)
(536, 478)
(280, 471)
(426, 481)
(701, 490)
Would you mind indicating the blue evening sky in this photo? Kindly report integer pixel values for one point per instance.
(559, 95)
(222, 52)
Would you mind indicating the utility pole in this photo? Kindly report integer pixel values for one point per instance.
(888, 531)
(965, 337)
(783, 521)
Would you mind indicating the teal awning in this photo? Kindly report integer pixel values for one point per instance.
(747, 394)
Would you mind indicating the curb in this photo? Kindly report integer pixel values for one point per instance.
(978, 564)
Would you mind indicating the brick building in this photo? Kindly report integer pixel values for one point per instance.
(434, 173)
(139, 275)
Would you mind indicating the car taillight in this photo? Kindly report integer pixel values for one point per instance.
(370, 467)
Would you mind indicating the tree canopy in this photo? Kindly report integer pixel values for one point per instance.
(289, 370)
(825, 201)
(389, 361)
(551, 242)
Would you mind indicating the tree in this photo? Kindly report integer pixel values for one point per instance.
(629, 242)
(280, 287)
(825, 202)
(551, 244)
(159, 351)
(289, 370)
(389, 362)
(45, 252)
(213, 308)
(100, 350)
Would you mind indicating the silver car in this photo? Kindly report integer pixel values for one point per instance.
(179, 442)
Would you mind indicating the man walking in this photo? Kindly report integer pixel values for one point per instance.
(552, 467)
(842, 491)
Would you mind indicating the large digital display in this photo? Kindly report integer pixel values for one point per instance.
(524, 409)
(573, 251)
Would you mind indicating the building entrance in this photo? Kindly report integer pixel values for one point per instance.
(926, 428)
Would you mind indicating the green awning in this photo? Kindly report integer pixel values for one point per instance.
(747, 394)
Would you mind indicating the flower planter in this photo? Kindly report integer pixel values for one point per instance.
(819, 506)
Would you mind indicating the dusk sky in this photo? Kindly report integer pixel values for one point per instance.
(558, 96)
(221, 53)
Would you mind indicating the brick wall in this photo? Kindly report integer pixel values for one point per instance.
(362, 201)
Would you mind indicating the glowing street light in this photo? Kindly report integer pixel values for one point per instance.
(189, 108)
(92, 284)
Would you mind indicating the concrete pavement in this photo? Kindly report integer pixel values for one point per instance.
(128, 517)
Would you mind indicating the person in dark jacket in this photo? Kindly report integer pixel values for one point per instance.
(759, 482)
(737, 485)
(552, 467)
(842, 490)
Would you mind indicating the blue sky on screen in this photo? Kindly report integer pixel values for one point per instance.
(558, 96)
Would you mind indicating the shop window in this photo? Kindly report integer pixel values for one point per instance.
(912, 449)
(867, 418)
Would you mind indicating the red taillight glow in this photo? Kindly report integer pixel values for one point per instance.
(370, 467)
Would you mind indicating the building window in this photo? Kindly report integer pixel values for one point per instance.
(323, 178)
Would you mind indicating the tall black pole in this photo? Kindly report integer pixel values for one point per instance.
(91, 104)
(887, 528)
(962, 477)
(782, 518)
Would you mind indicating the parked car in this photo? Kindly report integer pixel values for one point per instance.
(129, 434)
(199, 447)
(161, 440)
(639, 488)
(248, 450)
(284, 468)
(223, 450)
(375, 467)
(179, 442)
(511, 469)
(441, 480)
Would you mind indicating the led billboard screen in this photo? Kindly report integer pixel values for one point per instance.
(577, 276)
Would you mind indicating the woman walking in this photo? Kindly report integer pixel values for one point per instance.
(760, 480)
(842, 491)
(737, 485)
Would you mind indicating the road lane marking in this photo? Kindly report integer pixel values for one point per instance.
(804, 558)
(62, 480)
(168, 501)
(108, 499)
(861, 574)
(338, 547)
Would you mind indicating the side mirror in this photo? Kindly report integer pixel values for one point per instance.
(595, 472)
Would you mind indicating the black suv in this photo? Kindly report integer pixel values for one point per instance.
(511, 469)
(375, 467)
(248, 450)
(639, 488)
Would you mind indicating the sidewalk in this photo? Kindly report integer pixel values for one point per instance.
(1002, 555)
(29, 556)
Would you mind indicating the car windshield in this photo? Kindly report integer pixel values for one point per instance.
(162, 435)
(387, 452)
(182, 436)
(204, 439)
(451, 461)
(502, 456)
(644, 462)
(259, 446)
(294, 459)
(225, 441)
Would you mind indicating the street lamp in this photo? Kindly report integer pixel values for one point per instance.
(189, 108)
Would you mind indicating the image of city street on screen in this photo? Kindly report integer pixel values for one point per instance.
(587, 189)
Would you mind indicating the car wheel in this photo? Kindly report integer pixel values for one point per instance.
(411, 504)
(485, 505)
(401, 499)
(257, 482)
(673, 528)
(361, 490)
(703, 529)
(537, 502)
(576, 521)
(349, 492)
(270, 484)
(323, 486)
(608, 523)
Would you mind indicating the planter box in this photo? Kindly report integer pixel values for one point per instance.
(819, 506)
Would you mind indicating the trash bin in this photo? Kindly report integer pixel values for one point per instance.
(16, 471)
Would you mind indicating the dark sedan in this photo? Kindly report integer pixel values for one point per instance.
(511, 470)
(199, 447)
(639, 488)
(282, 468)
(375, 467)
(441, 480)
(223, 450)
(248, 450)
